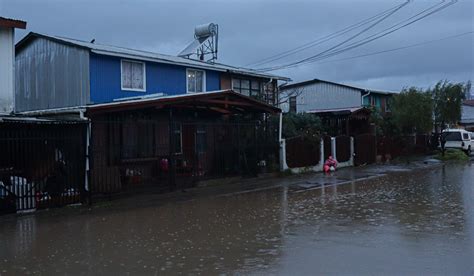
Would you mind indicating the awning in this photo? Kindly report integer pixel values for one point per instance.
(353, 112)
(223, 101)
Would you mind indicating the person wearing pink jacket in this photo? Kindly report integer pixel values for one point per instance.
(330, 164)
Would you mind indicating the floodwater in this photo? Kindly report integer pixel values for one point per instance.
(403, 223)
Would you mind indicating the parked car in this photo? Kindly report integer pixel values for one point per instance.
(458, 139)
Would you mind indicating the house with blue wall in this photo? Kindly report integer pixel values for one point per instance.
(377, 99)
(58, 72)
(153, 120)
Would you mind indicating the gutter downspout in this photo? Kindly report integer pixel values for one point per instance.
(363, 97)
(87, 159)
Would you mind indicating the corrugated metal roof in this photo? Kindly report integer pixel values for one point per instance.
(141, 102)
(148, 99)
(35, 120)
(349, 109)
(304, 83)
(468, 102)
(146, 56)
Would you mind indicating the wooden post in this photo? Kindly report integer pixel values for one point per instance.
(172, 167)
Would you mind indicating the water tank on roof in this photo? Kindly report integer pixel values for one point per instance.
(205, 30)
(204, 46)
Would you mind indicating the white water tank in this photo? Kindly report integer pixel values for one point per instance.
(205, 30)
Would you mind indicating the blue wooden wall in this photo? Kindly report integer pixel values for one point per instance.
(160, 78)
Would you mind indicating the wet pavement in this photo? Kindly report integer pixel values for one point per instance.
(372, 220)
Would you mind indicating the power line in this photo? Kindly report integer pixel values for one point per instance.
(399, 48)
(322, 39)
(365, 40)
(434, 9)
(387, 32)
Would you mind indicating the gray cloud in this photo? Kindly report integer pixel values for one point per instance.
(252, 30)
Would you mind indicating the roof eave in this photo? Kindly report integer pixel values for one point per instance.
(12, 23)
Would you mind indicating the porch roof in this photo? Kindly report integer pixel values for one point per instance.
(359, 112)
(221, 101)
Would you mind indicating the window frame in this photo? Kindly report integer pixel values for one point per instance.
(144, 75)
(203, 80)
(292, 100)
(254, 93)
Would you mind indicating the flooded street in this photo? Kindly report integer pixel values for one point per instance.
(419, 222)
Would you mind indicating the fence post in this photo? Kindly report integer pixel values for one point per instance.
(333, 148)
(283, 165)
(351, 159)
(321, 154)
(172, 150)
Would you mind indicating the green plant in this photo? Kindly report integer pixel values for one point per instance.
(412, 111)
(302, 124)
(447, 101)
(453, 155)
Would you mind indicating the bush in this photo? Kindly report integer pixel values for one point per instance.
(302, 124)
(453, 155)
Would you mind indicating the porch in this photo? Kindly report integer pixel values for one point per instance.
(167, 143)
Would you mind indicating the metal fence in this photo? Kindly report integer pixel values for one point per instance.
(41, 166)
(145, 155)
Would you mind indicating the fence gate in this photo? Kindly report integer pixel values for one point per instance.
(41, 166)
(343, 148)
(365, 149)
(301, 152)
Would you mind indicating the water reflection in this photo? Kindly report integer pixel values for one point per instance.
(405, 222)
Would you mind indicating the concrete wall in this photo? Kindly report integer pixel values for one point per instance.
(7, 58)
(51, 75)
(323, 96)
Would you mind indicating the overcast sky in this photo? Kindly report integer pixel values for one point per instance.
(252, 30)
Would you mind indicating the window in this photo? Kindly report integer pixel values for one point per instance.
(372, 101)
(453, 136)
(292, 104)
(247, 87)
(196, 80)
(465, 136)
(133, 75)
(178, 139)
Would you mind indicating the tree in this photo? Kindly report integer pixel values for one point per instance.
(301, 124)
(287, 97)
(447, 99)
(412, 111)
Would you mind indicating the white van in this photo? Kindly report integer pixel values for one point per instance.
(458, 139)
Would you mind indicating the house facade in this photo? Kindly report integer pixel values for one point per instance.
(343, 109)
(57, 72)
(467, 116)
(318, 95)
(153, 121)
(377, 99)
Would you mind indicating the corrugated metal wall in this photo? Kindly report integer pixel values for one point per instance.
(324, 96)
(160, 78)
(51, 75)
(6, 69)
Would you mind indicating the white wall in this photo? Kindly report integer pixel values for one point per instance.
(467, 114)
(323, 95)
(7, 58)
